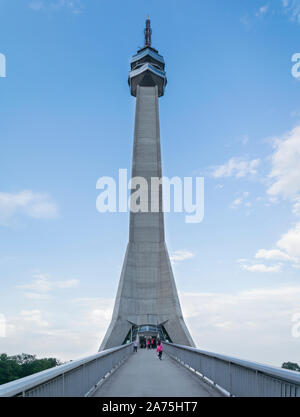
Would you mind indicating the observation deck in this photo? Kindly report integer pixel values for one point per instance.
(147, 67)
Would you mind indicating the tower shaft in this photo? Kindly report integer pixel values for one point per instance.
(147, 293)
(146, 163)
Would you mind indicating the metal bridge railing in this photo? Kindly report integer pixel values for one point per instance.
(238, 377)
(74, 379)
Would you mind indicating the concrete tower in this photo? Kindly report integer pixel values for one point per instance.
(147, 301)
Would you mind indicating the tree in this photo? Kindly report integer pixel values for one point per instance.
(8, 369)
(291, 366)
(19, 366)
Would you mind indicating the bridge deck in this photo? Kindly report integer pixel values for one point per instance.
(144, 375)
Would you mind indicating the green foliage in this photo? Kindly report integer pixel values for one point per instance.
(19, 366)
(291, 366)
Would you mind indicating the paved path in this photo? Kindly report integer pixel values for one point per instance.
(144, 375)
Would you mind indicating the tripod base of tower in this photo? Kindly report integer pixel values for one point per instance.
(147, 296)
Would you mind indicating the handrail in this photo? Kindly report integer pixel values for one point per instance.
(237, 376)
(36, 381)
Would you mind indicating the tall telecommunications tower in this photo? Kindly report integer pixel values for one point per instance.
(147, 300)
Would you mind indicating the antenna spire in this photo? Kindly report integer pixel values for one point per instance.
(148, 32)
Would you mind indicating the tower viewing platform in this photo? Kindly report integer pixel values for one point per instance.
(147, 67)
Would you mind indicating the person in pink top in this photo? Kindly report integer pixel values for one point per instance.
(159, 349)
(152, 343)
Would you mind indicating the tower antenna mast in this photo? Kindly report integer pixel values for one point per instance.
(148, 32)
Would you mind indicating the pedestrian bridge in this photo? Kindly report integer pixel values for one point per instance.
(183, 372)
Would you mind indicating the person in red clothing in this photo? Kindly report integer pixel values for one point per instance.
(148, 344)
(159, 349)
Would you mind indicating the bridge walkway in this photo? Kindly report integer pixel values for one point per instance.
(144, 375)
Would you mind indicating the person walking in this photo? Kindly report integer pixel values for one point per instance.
(152, 343)
(148, 344)
(135, 346)
(159, 349)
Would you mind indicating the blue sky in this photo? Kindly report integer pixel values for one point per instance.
(231, 113)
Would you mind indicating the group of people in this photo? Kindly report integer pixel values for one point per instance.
(151, 345)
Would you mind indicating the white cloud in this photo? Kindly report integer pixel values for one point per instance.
(236, 203)
(68, 329)
(236, 167)
(27, 203)
(181, 255)
(241, 261)
(254, 324)
(262, 10)
(33, 317)
(273, 254)
(296, 206)
(36, 296)
(288, 250)
(75, 6)
(42, 284)
(262, 268)
(285, 177)
(98, 315)
(290, 242)
(70, 283)
(99, 310)
(292, 8)
(240, 200)
(91, 301)
(285, 172)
